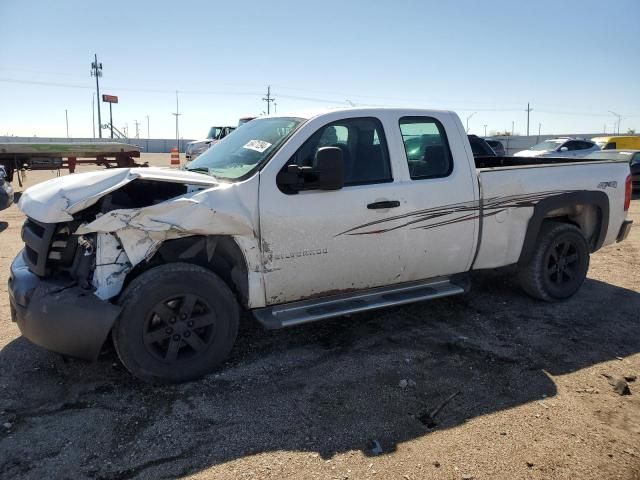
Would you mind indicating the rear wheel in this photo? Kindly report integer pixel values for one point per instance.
(177, 323)
(559, 264)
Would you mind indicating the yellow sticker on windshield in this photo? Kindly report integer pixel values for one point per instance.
(257, 145)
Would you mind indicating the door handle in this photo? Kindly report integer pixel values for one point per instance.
(383, 204)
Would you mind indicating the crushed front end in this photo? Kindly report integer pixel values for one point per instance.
(50, 294)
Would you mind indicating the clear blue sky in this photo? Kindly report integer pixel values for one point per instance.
(573, 60)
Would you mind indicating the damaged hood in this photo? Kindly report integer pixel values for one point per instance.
(56, 200)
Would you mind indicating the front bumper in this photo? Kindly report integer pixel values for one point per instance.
(624, 230)
(57, 314)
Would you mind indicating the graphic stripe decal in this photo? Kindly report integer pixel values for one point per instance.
(470, 211)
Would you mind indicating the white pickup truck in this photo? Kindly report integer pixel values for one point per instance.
(297, 219)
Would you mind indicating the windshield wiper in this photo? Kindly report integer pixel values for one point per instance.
(204, 170)
(197, 169)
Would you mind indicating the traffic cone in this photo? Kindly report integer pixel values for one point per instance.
(175, 157)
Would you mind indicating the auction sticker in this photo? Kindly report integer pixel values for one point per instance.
(257, 145)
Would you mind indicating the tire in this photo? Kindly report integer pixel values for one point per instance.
(178, 322)
(559, 264)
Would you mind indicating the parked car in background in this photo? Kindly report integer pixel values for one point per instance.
(199, 146)
(496, 146)
(6, 190)
(618, 143)
(632, 156)
(480, 147)
(560, 147)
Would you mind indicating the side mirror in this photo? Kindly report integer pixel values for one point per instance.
(564, 149)
(327, 173)
(328, 165)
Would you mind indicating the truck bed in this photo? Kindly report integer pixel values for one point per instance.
(507, 161)
(509, 192)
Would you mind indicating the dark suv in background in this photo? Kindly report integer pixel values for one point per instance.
(497, 147)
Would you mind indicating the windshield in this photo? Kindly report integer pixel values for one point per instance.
(214, 133)
(548, 145)
(246, 148)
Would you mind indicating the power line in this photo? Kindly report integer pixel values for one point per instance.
(300, 97)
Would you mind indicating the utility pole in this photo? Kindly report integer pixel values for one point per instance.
(485, 130)
(111, 117)
(528, 110)
(96, 71)
(148, 136)
(269, 99)
(177, 114)
(468, 118)
(275, 107)
(619, 120)
(512, 127)
(66, 119)
(137, 128)
(93, 114)
(539, 127)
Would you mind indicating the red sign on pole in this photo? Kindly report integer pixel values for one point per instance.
(110, 98)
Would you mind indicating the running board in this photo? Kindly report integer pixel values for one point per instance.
(296, 313)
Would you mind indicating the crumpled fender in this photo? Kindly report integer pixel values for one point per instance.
(142, 230)
(56, 200)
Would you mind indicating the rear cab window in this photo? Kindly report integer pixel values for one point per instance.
(426, 147)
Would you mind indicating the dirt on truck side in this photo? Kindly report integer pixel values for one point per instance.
(489, 385)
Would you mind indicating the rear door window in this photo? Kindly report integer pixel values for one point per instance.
(426, 147)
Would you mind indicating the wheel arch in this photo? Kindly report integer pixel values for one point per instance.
(588, 210)
(231, 260)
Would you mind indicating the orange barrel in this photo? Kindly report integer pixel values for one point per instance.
(175, 157)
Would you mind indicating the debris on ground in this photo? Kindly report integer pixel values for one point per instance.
(630, 378)
(587, 390)
(619, 384)
(428, 418)
(404, 383)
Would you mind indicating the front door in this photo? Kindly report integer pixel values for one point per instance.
(311, 244)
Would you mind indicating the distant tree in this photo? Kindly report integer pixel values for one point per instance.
(631, 131)
(499, 133)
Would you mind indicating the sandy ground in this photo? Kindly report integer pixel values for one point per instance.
(324, 401)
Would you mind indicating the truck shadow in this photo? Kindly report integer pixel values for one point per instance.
(324, 388)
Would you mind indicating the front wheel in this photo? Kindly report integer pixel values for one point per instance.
(559, 264)
(178, 322)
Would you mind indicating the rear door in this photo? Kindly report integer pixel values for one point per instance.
(439, 192)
